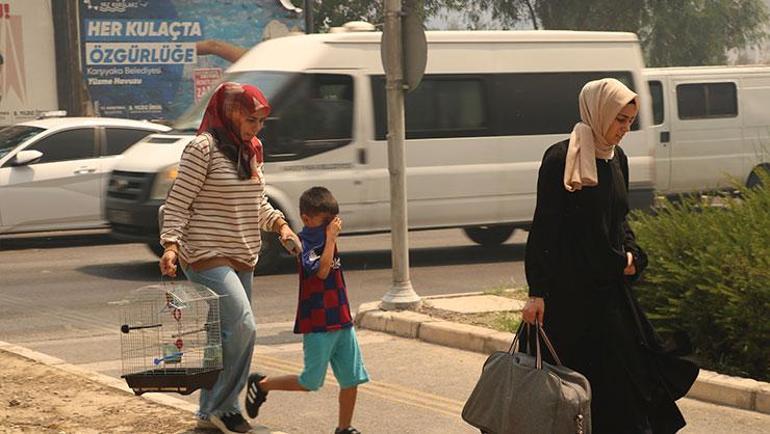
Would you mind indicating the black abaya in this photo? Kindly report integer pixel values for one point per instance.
(575, 257)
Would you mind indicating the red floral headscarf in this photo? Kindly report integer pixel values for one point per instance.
(220, 118)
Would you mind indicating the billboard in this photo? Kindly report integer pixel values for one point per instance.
(153, 59)
(27, 60)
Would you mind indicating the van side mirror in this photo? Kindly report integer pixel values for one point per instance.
(24, 158)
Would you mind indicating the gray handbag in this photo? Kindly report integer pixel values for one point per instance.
(519, 393)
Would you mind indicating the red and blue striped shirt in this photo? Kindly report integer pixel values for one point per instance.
(323, 303)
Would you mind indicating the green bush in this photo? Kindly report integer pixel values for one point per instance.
(709, 275)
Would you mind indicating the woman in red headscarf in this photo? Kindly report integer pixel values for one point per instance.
(214, 214)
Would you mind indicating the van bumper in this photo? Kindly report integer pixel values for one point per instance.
(131, 221)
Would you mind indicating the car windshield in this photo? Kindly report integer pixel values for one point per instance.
(11, 137)
(270, 83)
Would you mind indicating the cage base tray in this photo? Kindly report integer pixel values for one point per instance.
(182, 381)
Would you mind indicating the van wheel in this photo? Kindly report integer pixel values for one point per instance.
(489, 235)
(156, 248)
(755, 180)
(271, 256)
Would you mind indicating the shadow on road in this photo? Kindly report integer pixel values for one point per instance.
(57, 241)
(433, 256)
(134, 271)
(359, 260)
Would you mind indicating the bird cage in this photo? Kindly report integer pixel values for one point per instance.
(171, 340)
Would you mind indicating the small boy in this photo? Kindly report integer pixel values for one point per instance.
(323, 315)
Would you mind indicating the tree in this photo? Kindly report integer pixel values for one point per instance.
(672, 32)
(699, 32)
(329, 14)
(335, 13)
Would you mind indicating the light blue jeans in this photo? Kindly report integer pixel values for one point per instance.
(238, 337)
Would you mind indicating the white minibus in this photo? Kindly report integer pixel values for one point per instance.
(489, 105)
(711, 126)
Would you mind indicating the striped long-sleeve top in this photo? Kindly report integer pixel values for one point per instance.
(210, 214)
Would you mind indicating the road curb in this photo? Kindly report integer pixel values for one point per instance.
(743, 393)
(109, 382)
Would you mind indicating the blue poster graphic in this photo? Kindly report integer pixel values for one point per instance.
(153, 59)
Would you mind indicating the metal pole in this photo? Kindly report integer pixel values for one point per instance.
(401, 295)
(309, 17)
(67, 49)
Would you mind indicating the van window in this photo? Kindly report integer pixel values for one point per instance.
(441, 106)
(313, 114)
(656, 91)
(270, 83)
(546, 103)
(446, 108)
(707, 100)
(492, 104)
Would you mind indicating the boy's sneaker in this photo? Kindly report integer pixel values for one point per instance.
(232, 423)
(348, 430)
(255, 396)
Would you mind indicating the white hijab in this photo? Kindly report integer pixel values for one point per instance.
(600, 103)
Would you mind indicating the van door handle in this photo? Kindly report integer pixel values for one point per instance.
(665, 136)
(84, 170)
(362, 156)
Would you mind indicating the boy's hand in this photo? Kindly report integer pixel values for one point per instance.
(290, 240)
(334, 228)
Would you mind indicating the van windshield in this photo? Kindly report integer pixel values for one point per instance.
(269, 83)
(312, 113)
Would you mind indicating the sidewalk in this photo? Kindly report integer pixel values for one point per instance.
(43, 394)
(443, 327)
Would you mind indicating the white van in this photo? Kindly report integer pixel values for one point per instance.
(490, 104)
(711, 126)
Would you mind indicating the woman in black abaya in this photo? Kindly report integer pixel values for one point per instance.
(581, 258)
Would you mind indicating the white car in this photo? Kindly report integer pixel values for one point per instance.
(54, 172)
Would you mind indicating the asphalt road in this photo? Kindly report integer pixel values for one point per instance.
(55, 298)
(59, 287)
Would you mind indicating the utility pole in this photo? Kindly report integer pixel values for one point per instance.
(401, 295)
(69, 81)
(309, 17)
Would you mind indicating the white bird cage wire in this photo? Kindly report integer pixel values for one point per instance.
(171, 338)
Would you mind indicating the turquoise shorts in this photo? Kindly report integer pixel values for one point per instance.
(340, 347)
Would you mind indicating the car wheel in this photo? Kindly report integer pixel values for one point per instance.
(156, 248)
(755, 180)
(272, 254)
(489, 235)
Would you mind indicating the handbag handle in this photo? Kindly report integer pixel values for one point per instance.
(540, 334)
(515, 345)
(548, 343)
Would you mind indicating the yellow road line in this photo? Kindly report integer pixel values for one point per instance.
(391, 392)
